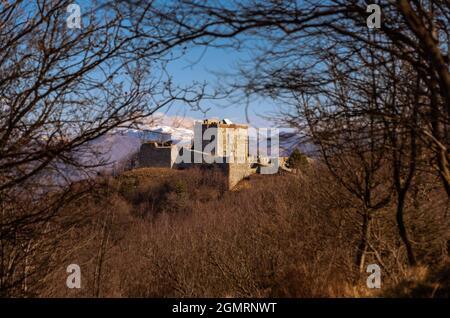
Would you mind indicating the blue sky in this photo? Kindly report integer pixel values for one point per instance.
(198, 65)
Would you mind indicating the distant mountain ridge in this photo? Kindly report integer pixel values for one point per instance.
(112, 150)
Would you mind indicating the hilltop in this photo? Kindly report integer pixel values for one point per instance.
(158, 232)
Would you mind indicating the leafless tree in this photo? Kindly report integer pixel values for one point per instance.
(296, 33)
(60, 89)
(321, 56)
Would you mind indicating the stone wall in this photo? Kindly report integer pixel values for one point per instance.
(223, 140)
(152, 155)
(236, 172)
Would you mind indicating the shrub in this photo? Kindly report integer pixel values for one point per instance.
(179, 234)
(297, 160)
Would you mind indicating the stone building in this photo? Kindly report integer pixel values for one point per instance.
(219, 143)
(223, 139)
(155, 154)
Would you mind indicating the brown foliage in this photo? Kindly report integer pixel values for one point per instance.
(178, 234)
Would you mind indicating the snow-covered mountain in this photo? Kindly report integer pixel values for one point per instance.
(117, 146)
(109, 152)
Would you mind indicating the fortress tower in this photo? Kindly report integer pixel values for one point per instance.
(223, 139)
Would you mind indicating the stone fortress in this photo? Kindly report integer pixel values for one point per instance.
(222, 144)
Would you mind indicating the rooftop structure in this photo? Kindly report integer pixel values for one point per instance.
(223, 139)
(216, 142)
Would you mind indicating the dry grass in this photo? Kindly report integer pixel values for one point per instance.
(175, 233)
(423, 282)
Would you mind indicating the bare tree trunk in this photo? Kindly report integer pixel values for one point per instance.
(101, 256)
(431, 47)
(444, 171)
(2, 252)
(363, 244)
(402, 229)
(439, 137)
